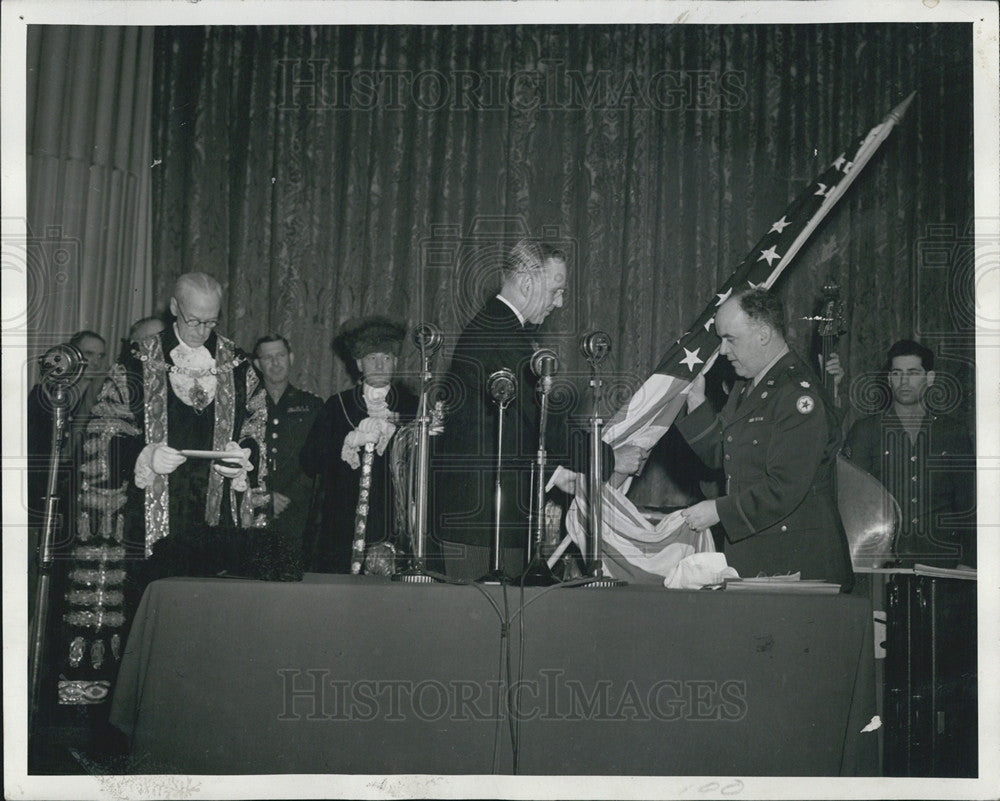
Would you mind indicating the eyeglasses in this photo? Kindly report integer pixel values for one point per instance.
(194, 322)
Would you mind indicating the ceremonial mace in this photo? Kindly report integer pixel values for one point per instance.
(62, 367)
(544, 364)
(595, 347)
(428, 339)
(502, 387)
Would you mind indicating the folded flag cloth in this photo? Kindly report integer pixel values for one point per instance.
(695, 571)
(634, 549)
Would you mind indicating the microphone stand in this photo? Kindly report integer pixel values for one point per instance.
(538, 572)
(428, 340)
(595, 347)
(66, 365)
(496, 574)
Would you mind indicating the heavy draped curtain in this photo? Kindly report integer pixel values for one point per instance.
(324, 173)
(88, 142)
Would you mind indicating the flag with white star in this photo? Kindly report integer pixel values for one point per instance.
(648, 414)
(630, 549)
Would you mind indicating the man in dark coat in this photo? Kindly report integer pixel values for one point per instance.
(776, 440)
(348, 447)
(291, 413)
(463, 471)
(925, 460)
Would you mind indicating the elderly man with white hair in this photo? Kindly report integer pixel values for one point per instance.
(171, 479)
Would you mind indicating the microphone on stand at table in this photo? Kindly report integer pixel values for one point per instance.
(544, 364)
(595, 347)
(61, 368)
(428, 340)
(501, 386)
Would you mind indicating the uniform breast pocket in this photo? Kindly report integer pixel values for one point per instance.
(754, 433)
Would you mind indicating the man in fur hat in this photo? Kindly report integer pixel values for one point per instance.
(348, 447)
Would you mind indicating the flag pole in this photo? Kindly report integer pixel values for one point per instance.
(876, 136)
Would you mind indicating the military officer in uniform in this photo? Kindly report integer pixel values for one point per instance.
(776, 439)
(291, 413)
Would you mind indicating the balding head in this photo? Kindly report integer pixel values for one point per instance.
(196, 303)
(143, 328)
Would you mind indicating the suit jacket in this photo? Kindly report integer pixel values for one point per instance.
(778, 449)
(463, 473)
(330, 551)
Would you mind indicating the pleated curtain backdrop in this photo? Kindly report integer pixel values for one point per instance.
(88, 168)
(324, 173)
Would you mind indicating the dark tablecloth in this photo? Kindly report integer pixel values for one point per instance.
(342, 674)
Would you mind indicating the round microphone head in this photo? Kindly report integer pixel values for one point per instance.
(544, 363)
(428, 338)
(502, 386)
(595, 346)
(62, 366)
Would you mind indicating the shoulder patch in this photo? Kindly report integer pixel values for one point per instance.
(805, 404)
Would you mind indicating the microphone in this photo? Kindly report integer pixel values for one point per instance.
(595, 346)
(427, 338)
(544, 363)
(502, 386)
(62, 366)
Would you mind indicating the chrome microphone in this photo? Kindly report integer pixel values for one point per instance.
(595, 346)
(544, 363)
(427, 338)
(62, 366)
(502, 386)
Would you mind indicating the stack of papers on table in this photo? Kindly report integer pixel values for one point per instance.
(967, 573)
(791, 583)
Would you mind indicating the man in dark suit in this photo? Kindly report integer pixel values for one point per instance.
(463, 473)
(776, 440)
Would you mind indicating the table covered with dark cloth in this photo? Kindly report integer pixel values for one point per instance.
(343, 674)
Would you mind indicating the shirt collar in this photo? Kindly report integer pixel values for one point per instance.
(513, 308)
(769, 365)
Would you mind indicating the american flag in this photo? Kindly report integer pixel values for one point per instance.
(632, 548)
(652, 409)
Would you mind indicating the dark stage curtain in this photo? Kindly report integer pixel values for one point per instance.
(324, 173)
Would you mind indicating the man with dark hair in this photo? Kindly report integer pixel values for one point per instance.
(500, 335)
(348, 447)
(918, 454)
(291, 413)
(776, 440)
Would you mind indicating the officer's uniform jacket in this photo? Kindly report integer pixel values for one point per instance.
(777, 447)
